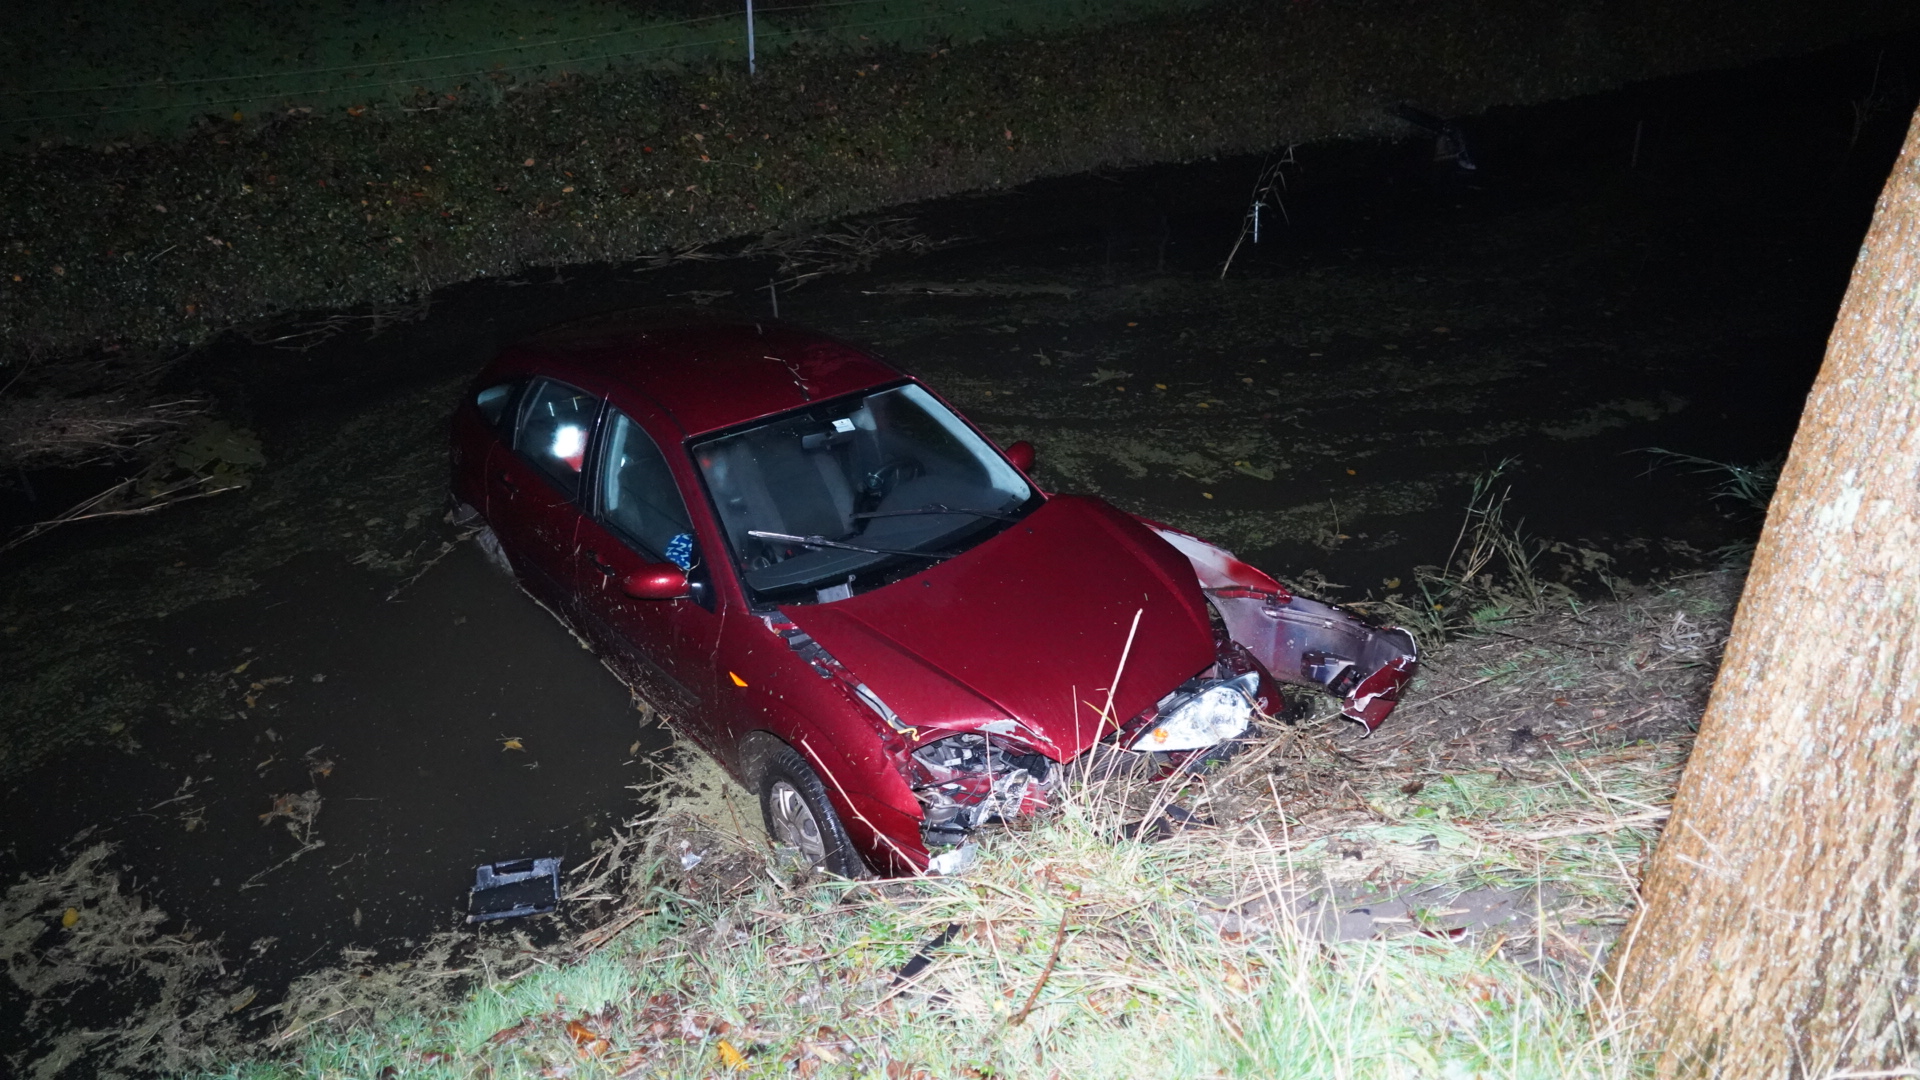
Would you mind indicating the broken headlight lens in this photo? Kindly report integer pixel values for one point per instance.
(1191, 719)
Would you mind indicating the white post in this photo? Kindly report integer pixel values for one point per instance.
(750, 61)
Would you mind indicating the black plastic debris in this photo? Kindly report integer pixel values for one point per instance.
(508, 890)
(1173, 819)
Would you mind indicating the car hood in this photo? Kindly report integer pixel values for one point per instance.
(1028, 627)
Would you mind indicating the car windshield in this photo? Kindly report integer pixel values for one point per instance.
(894, 472)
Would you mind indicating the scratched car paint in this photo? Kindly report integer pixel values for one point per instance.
(856, 602)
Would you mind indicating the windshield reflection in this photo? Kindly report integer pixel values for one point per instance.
(894, 472)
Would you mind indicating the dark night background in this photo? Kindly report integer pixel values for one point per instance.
(282, 295)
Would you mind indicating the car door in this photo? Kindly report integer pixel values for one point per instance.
(533, 486)
(663, 648)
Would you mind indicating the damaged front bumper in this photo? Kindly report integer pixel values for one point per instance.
(1267, 634)
(966, 781)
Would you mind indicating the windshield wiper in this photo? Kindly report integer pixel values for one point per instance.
(939, 508)
(823, 542)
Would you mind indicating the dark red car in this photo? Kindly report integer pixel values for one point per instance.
(828, 578)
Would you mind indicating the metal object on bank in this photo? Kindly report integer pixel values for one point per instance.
(508, 890)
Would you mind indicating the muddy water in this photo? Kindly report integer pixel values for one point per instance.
(1656, 267)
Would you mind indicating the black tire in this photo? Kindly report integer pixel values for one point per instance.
(784, 774)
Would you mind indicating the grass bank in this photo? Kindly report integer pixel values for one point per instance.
(105, 69)
(153, 245)
(1431, 902)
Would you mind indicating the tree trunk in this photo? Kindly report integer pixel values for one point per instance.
(1780, 930)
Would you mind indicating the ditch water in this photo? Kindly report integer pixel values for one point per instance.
(1654, 267)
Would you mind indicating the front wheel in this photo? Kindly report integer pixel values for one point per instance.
(798, 815)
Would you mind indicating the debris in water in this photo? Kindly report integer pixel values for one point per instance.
(300, 810)
(508, 890)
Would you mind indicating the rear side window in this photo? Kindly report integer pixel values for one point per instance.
(555, 423)
(494, 402)
(638, 496)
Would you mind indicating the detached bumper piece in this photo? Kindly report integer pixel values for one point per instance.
(1313, 644)
(1304, 641)
(508, 890)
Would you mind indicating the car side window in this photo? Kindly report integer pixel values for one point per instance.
(555, 424)
(638, 496)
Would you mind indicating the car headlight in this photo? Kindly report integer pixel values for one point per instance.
(1194, 719)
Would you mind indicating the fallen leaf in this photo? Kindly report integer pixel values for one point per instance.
(511, 742)
(589, 1041)
(508, 1034)
(71, 916)
(731, 1058)
(243, 667)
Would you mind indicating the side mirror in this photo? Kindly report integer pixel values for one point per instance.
(656, 581)
(1021, 454)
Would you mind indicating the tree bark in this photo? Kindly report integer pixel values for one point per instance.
(1780, 930)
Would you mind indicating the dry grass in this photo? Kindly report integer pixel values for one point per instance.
(37, 432)
(104, 978)
(185, 462)
(1070, 950)
(1223, 941)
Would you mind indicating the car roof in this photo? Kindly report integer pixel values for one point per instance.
(708, 371)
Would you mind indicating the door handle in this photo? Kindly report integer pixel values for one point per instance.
(506, 481)
(594, 558)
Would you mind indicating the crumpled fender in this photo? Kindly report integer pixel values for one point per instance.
(1303, 641)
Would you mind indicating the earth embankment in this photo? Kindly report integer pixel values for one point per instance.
(127, 248)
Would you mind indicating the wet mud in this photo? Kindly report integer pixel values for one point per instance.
(303, 711)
